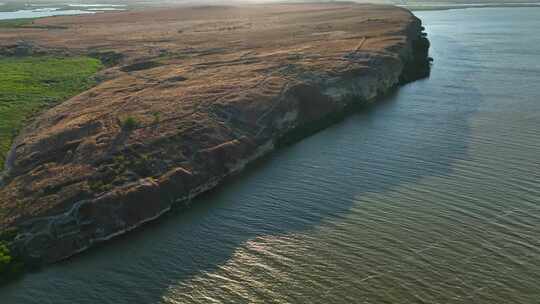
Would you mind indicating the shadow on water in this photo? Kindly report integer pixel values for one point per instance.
(419, 131)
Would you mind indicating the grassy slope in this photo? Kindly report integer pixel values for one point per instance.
(16, 23)
(30, 84)
(25, 23)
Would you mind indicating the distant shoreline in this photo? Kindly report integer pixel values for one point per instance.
(446, 7)
(58, 8)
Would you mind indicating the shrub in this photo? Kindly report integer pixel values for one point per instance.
(157, 117)
(130, 123)
(5, 257)
(8, 235)
(10, 267)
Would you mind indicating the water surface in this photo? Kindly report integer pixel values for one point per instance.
(40, 12)
(433, 196)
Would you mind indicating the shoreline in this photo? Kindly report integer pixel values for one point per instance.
(423, 8)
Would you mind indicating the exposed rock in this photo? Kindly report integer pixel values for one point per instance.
(204, 101)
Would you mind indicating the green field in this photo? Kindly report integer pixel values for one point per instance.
(30, 84)
(26, 23)
(15, 23)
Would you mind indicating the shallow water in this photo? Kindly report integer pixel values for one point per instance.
(40, 12)
(433, 196)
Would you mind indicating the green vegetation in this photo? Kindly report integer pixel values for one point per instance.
(130, 123)
(26, 23)
(8, 235)
(5, 257)
(16, 23)
(31, 84)
(10, 267)
(157, 117)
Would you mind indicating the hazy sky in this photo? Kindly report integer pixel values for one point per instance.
(206, 1)
(191, 2)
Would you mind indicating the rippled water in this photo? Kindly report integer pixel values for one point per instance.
(430, 197)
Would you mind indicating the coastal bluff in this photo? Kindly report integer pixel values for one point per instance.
(189, 97)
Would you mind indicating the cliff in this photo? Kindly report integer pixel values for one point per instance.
(191, 96)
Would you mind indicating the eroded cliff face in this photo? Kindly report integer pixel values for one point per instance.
(207, 91)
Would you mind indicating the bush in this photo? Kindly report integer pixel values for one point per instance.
(5, 257)
(8, 235)
(10, 267)
(157, 117)
(130, 123)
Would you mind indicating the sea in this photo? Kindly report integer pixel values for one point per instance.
(430, 196)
